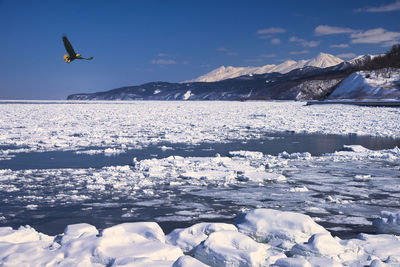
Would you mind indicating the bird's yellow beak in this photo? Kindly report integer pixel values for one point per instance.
(78, 55)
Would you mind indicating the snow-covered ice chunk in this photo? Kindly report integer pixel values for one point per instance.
(135, 232)
(320, 245)
(25, 247)
(22, 234)
(324, 246)
(246, 154)
(90, 151)
(28, 254)
(188, 238)
(280, 228)
(187, 261)
(355, 152)
(337, 200)
(230, 248)
(292, 262)
(74, 231)
(355, 148)
(260, 176)
(325, 262)
(297, 155)
(389, 223)
(381, 246)
(130, 241)
(299, 189)
(361, 177)
(113, 151)
(142, 262)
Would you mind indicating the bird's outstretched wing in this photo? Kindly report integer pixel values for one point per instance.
(87, 58)
(68, 46)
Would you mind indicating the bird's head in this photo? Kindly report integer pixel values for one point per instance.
(78, 55)
(66, 58)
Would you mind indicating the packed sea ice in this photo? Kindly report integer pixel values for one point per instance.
(114, 127)
(284, 209)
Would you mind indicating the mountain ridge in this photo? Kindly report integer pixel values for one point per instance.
(322, 60)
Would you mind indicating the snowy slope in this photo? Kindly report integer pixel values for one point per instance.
(361, 60)
(376, 84)
(321, 61)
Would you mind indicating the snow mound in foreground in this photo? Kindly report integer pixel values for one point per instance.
(210, 244)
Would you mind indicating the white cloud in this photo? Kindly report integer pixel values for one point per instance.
(302, 52)
(375, 36)
(339, 46)
(325, 30)
(347, 55)
(304, 42)
(271, 30)
(385, 8)
(163, 61)
(275, 41)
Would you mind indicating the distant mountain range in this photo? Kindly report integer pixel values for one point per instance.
(316, 78)
(222, 73)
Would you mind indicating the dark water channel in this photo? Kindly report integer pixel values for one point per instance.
(273, 144)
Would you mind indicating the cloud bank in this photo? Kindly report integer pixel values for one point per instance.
(385, 8)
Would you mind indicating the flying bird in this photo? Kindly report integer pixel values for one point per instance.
(71, 52)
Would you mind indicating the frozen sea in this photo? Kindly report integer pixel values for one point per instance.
(181, 163)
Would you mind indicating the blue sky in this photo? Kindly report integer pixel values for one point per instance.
(134, 42)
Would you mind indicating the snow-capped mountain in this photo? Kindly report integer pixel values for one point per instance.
(323, 60)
